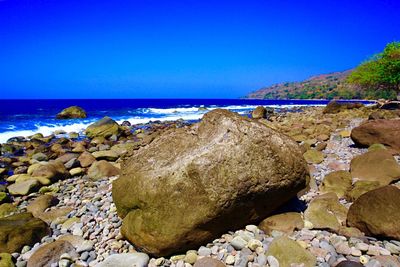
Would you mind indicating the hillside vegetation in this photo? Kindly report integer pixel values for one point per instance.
(376, 78)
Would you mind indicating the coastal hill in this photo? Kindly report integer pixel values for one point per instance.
(326, 86)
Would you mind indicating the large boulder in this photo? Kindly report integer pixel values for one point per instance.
(105, 127)
(384, 132)
(19, 230)
(377, 165)
(192, 184)
(377, 212)
(73, 112)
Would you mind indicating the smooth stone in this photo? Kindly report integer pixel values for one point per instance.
(326, 212)
(49, 254)
(238, 243)
(204, 251)
(280, 247)
(208, 262)
(6, 260)
(6, 209)
(313, 156)
(377, 213)
(125, 260)
(349, 264)
(285, 222)
(22, 188)
(378, 165)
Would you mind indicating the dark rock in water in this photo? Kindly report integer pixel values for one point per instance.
(392, 105)
(336, 107)
(384, 132)
(105, 127)
(73, 112)
(262, 112)
(377, 213)
(19, 230)
(190, 185)
(16, 139)
(349, 264)
(126, 123)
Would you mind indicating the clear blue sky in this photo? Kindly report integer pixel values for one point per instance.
(182, 49)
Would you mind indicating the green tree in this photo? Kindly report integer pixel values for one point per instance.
(381, 72)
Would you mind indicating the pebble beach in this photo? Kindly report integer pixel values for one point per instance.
(84, 227)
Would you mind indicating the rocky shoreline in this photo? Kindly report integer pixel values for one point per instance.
(75, 199)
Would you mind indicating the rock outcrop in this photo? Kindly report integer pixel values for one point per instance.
(191, 184)
(73, 112)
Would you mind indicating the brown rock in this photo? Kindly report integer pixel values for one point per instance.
(259, 113)
(40, 204)
(50, 253)
(52, 170)
(86, 159)
(288, 253)
(67, 157)
(384, 132)
(361, 187)
(208, 262)
(378, 165)
(377, 212)
(192, 184)
(285, 222)
(19, 230)
(326, 212)
(349, 264)
(105, 127)
(73, 112)
(52, 215)
(101, 169)
(388, 261)
(338, 182)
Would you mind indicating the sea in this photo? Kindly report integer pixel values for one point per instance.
(27, 117)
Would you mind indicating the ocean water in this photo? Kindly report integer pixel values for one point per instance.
(27, 117)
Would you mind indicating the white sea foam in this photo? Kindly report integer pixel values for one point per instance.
(45, 130)
(168, 114)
